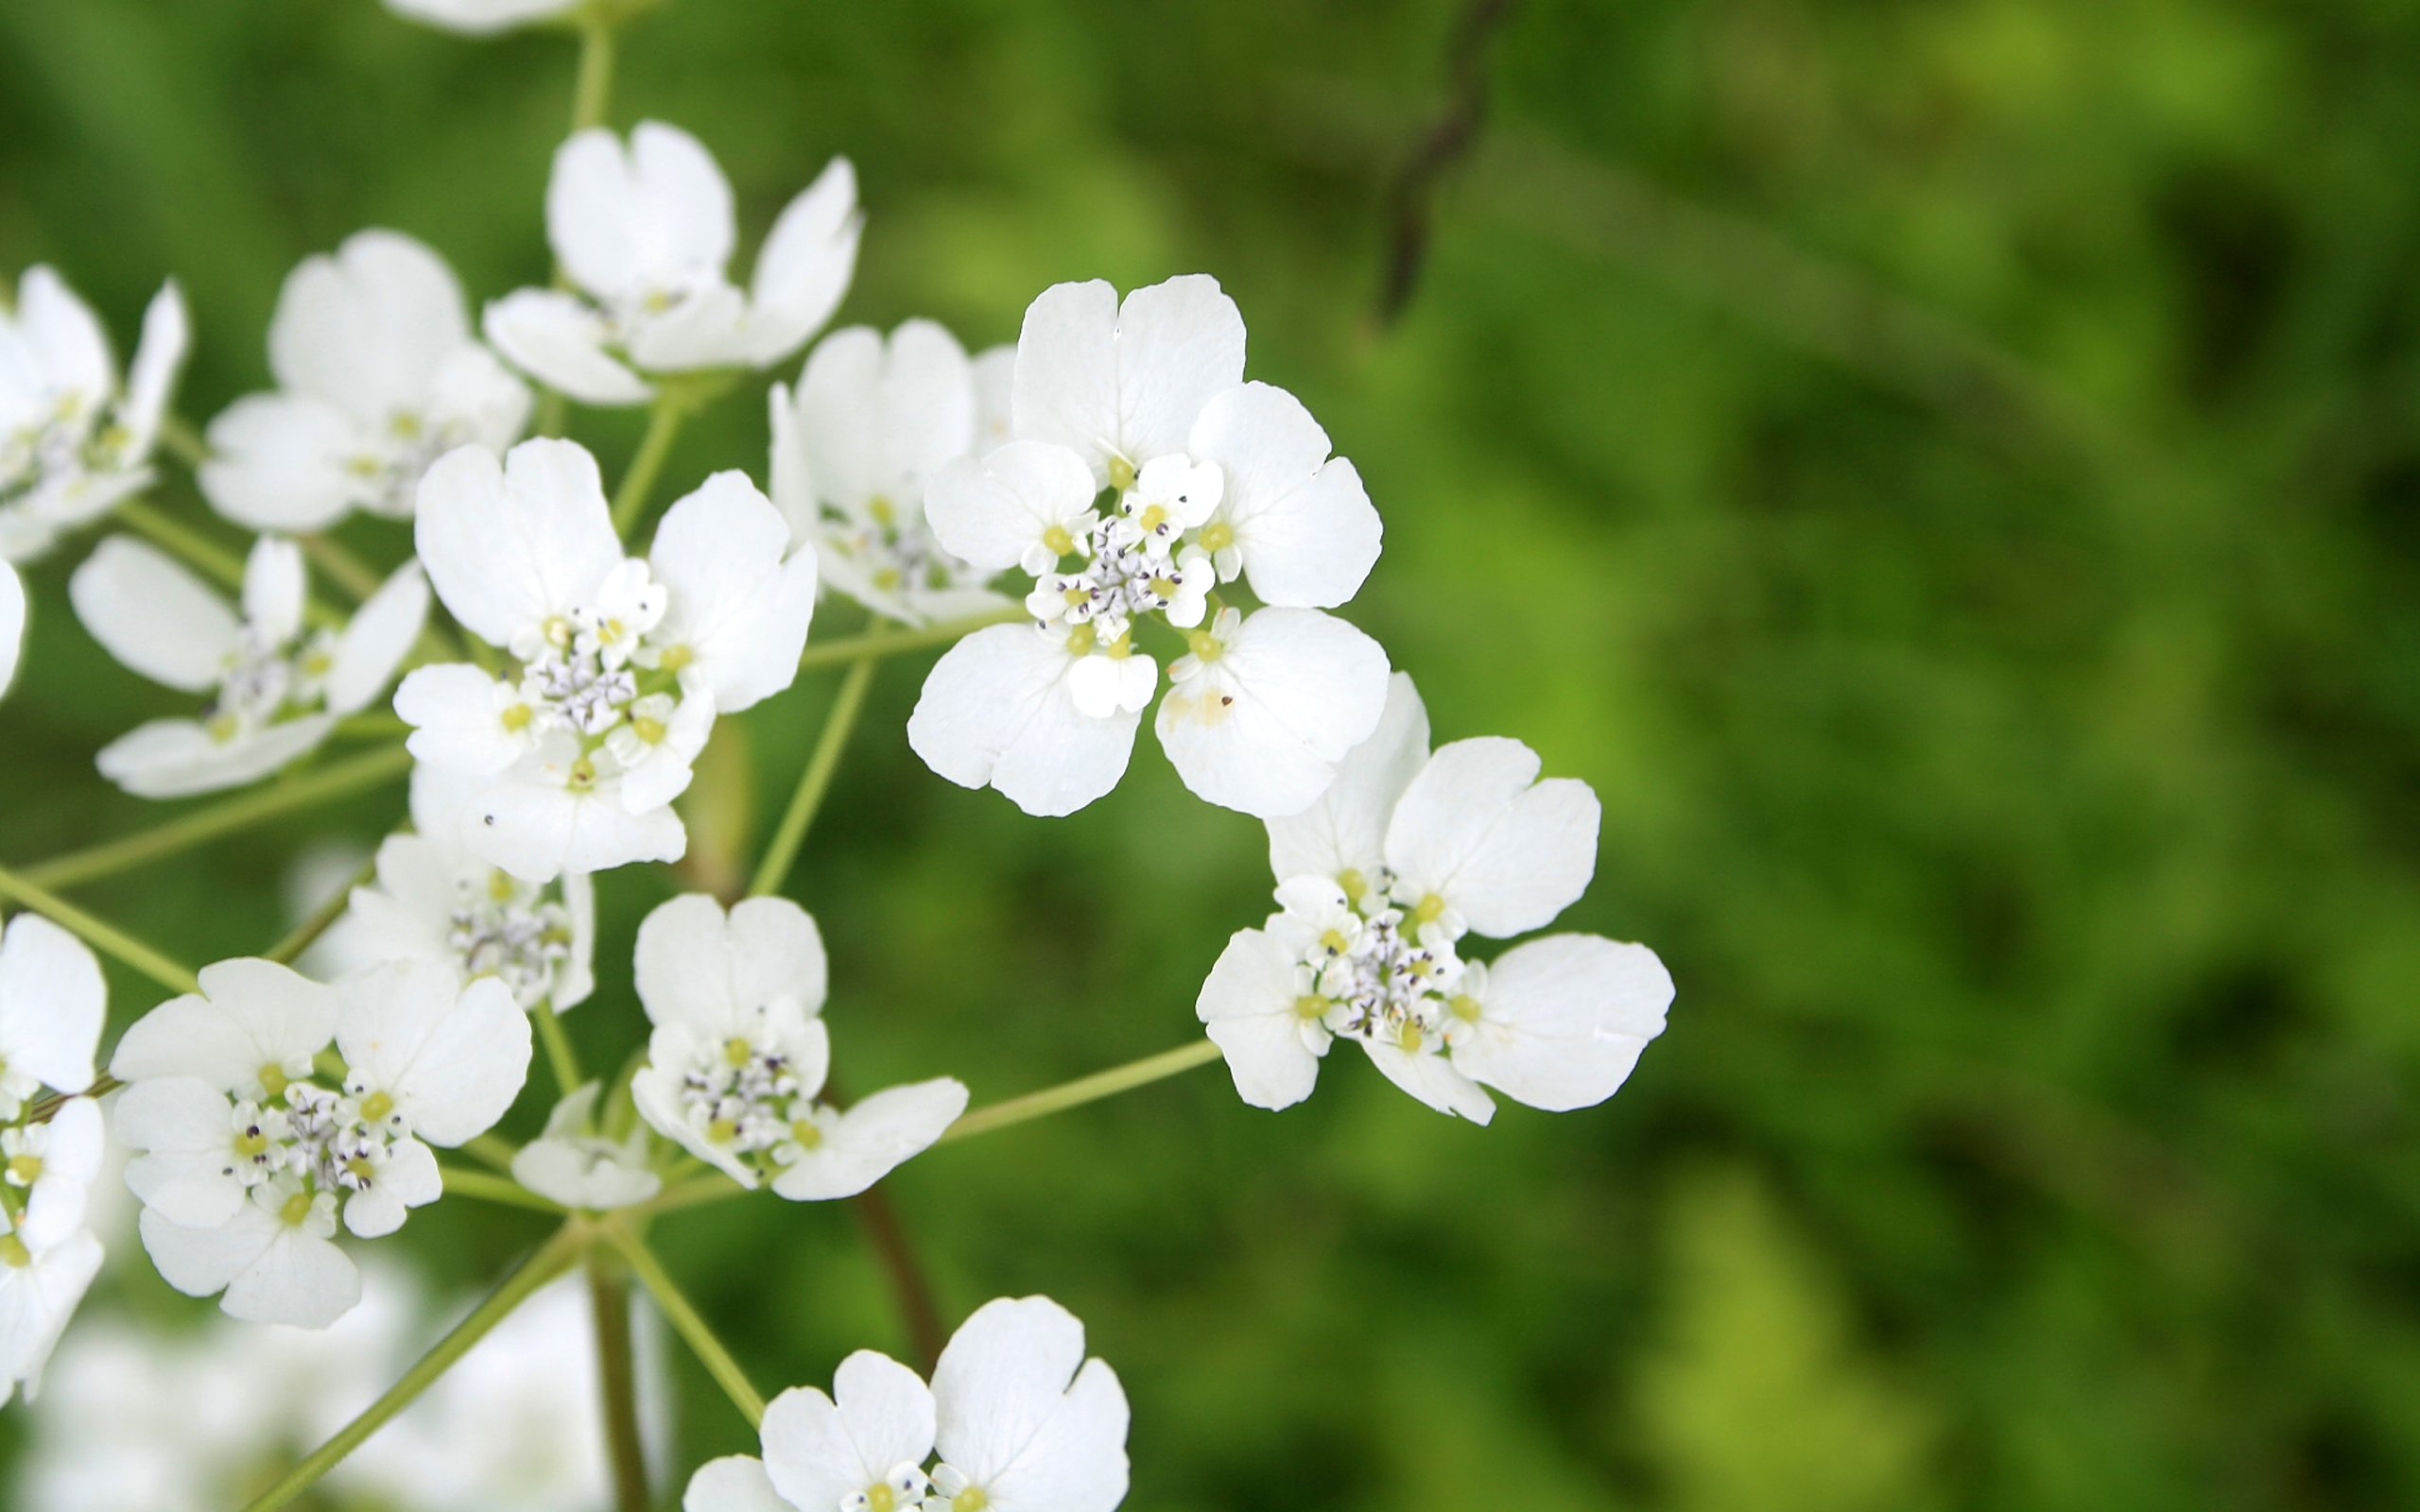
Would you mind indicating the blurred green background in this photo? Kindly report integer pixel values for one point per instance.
(1944, 472)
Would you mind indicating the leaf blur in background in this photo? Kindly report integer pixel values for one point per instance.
(1948, 474)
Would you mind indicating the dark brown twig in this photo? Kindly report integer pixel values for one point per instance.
(1411, 193)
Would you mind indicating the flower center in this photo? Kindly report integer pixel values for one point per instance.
(266, 681)
(515, 933)
(747, 1099)
(321, 1140)
(1370, 977)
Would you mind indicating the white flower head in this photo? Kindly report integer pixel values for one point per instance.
(1018, 1419)
(51, 1007)
(872, 421)
(1404, 857)
(644, 231)
(40, 1283)
(621, 664)
(378, 375)
(274, 686)
(73, 442)
(480, 18)
(253, 1145)
(578, 1164)
(1208, 479)
(431, 898)
(739, 1054)
(52, 1002)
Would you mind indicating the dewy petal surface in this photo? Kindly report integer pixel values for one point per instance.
(1472, 830)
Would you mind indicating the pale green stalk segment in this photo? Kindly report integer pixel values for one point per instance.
(548, 1262)
(103, 936)
(608, 1295)
(560, 1057)
(877, 643)
(694, 1192)
(302, 936)
(594, 89)
(486, 1187)
(1083, 1090)
(492, 1149)
(814, 782)
(686, 1322)
(181, 440)
(202, 825)
(663, 429)
(340, 566)
(204, 555)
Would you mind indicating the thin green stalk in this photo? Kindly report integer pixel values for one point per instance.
(492, 1149)
(609, 1295)
(182, 541)
(202, 825)
(302, 935)
(874, 645)
(103, 936)
(341, 567)
(486, 1187)
(814, 782)
(663, 429)
(561, 1059)
(181, 440)
(593, 87)
(44, 1111)
(686, 1322)
(695, 1192)
(1083, 1090)
(548, 1262)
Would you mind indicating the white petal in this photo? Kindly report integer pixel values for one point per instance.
(159, 351)
(820, 1452)
(792, 485)
(377, 639)
(734, 1483)
(52, 1001)
(152, 614)
(368, 327)
(708, 329)
(174, 758)
(249, 1014)
(736, 600)
(561, 341)
(277, 462)
(453, 1056)
(872, 1139)
(1124, 381)
(409, 1180)
(64, 334)
(1507, 855)
(1247, 1003)
(539, 830)
(300, 1279)
(12, 623)
(806, 265)
(1346, 829)
(996, 710)
(710, 972)
(1302, 522)
(991, 512)
(478, 17)
(183, 1128)
(621, 221)
(1563, 1019)
(1023, 1416)
(273, 588)
(1432, 1079)
(36, 1303)
(507, 546)
(1263, 729)
(456, 722)
(70, 1158)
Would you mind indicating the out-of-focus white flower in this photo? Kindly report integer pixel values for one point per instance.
(577, 1165)
(644, 231)
(872, 419)
(274, 687)
(52, 1001)
(252, 1153)
(378, 375)
(482, 17)
(622, 662)
(1406, 853)
(1020, 1420)
(739, 1054)
(12, 623)
(1209, 479)
(432, 900)
(72, 442)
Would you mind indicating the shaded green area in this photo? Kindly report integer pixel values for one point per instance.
(1945, 472)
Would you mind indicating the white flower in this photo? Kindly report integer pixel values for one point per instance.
(251, 1151)
(432, 900)
(871, 422)
(73, 443)
(377, 376)
(1020, 1420)
(621, 664)
(275, 687)
(579, 1166)
(482, 17)
(12, 623)
(643, 233)
(40, 1285)
(52, 1001)
(1209, 478)
(738, 1054)
(1380, 880)
(49, 1169)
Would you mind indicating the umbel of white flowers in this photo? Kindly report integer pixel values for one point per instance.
(1379, 883)
(1145, 478)
(1017, 1419)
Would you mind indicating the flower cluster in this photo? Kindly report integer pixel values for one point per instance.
(51, 1004)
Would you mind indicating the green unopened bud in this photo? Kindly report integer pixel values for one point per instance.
(1082, 639)
(376, 1107)
(650, 730)
(1121, 473)
(516, 717)
(274, 1080)
(1217, 536)
(295, 1211)
(1057, 539)
(1465, 1008)
(1205, 645)
(807, 1133)
(1311, 1006)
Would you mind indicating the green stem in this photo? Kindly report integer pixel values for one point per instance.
(1083, 1090)
(609, 1294)
(874, 645)
(560, 1057)
(814, 782)
(688, 1324)
(202, 825)
(486, 1187)
(182, 541)
(548, 1262)
(492, 1149)
(303, 934)
(44, 1111)
(663, 428)
(181, 440)
(106, 937)
(341, 567)
(593, 87)
(695, 1192)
